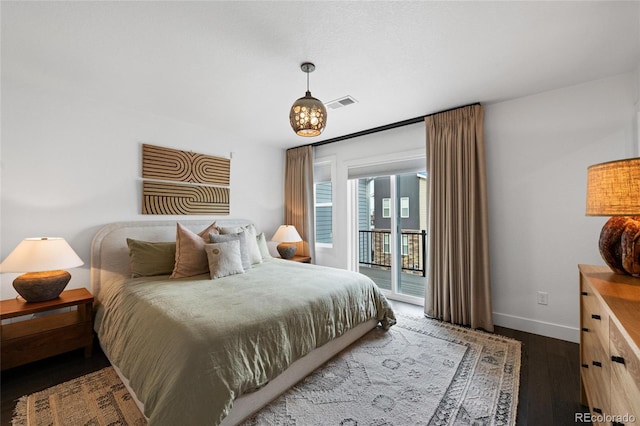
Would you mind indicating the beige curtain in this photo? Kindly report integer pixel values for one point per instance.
(298, 197)
(458, 286)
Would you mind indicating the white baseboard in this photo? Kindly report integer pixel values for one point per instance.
(557, 331)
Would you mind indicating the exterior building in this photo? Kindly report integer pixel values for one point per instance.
(324, 212)
(374, 207)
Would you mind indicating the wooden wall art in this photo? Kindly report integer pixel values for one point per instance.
(184, 166)
(203, 188)
(175, 198)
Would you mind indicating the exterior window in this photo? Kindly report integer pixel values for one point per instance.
(404, 207)
(405, 245)
(324, 212)
(385, 244)
(386, 207)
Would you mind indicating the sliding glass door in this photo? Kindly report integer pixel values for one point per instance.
(391, 216)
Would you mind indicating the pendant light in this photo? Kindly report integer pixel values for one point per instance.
(308, 115)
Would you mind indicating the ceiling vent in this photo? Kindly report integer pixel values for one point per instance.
(341, 102)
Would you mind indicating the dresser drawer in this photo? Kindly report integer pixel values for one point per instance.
(610, 336)
(596, 370)
(625, 370)
(594, 316)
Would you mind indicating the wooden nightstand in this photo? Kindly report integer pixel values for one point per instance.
(41, 337)
(301, 259)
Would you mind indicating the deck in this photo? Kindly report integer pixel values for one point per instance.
(410, 284)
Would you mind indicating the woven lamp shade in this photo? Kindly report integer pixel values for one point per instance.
(613, 188)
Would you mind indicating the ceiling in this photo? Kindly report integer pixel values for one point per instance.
(235, 66)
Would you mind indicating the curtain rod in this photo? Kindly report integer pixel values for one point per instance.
(382, 128)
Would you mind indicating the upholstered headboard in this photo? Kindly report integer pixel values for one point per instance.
(110, 253)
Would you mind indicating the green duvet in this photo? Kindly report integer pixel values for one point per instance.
(191, 346)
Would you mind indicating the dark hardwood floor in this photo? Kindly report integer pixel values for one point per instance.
(549, 380)
(549, 377)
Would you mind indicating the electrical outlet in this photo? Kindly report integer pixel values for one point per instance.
(543, 298)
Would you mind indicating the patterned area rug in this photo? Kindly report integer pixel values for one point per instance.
(99, 398)
(421, 372)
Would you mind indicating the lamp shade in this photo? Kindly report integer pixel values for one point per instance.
(41, 254)
(308, 116)
(287, 234)
(613, 188)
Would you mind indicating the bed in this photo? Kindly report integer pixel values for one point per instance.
(196, 350)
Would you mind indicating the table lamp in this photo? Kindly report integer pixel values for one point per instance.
(287, 235)
(613, 189)
(42, 259)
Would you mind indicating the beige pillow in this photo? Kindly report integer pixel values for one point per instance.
(147, 259)
(224, 259)
(191, 258)
(252, 243)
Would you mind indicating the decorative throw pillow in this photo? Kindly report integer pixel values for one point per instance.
(191, 258)
(242, 238)
(224, 259)
(262, 245)
(147, 259)
(252, 243)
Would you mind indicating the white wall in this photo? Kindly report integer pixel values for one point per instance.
(71, 164)
(538, 151)
(638, 112)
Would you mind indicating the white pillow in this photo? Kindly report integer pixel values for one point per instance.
(243, 238)
(224, 259)
(252, 243)
(262, 245)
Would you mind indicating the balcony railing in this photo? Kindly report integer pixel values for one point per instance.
(374, 250)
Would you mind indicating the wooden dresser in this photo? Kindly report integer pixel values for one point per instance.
(609, 345)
